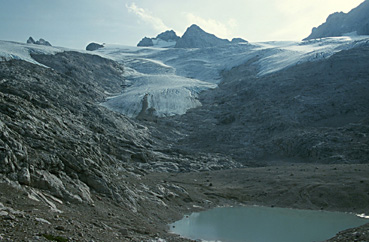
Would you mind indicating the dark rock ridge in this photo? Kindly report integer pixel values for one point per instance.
(195, 37)
(168, 36)
(94, 46)
(38, 42)
(339, 23)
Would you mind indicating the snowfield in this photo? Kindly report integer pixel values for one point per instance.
(167, 81)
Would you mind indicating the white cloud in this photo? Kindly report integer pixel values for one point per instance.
(223, 30)
(147, 17)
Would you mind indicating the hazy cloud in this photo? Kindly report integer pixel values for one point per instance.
(220, 29)
(147, 17)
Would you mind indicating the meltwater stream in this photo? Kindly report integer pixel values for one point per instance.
(264, 224)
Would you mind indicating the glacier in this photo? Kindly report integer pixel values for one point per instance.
(167, 81)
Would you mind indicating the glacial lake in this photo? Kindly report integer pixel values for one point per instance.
(264, 224)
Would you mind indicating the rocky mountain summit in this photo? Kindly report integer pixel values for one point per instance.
(340, 24)
(194, 37)
(166, 39)
(38, 42)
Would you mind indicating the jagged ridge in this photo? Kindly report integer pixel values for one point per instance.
(339, 23)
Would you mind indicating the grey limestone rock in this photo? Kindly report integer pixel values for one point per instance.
(24, 176)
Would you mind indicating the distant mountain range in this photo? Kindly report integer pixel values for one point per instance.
(194, 37)
(356, 22)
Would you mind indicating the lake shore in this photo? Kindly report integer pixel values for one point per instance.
(342, 188)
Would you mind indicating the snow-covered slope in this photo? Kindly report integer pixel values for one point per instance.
(14, 50)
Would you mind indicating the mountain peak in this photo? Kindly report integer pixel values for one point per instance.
(165, 39)
(195, 37)
(340, 24)
(38, 42)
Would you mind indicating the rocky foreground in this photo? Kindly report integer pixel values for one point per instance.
(28, 214)
(71, 170)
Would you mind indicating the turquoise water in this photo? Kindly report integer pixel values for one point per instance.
(264, 224)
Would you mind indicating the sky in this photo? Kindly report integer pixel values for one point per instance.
(75, 23)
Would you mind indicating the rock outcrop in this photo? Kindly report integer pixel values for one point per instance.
(94, 46)
(38, 42)
(340, 24)
(195, 37)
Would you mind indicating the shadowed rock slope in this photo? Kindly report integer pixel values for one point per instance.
(312, 112)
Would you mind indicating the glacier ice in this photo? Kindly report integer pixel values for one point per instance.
(168, 80)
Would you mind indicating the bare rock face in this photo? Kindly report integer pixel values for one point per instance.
(339, 23)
